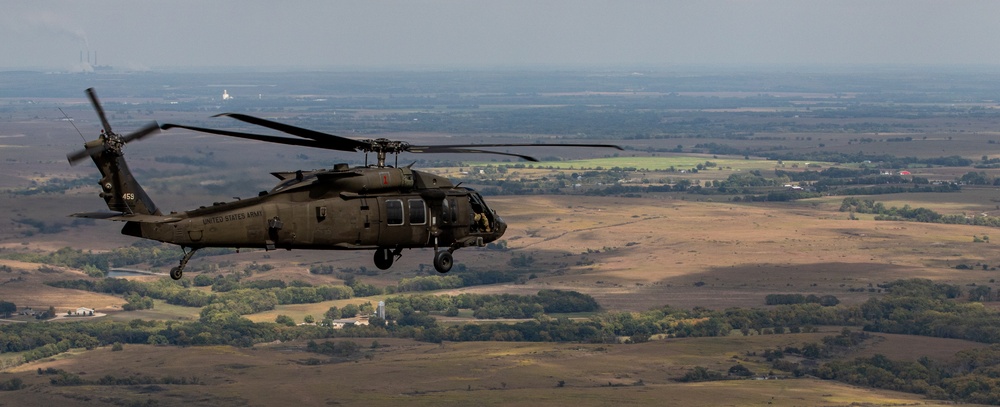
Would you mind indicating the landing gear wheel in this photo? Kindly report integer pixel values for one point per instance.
(176, 273)
(443, 261)
(383, 259)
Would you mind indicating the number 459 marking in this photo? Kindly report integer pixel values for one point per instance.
(128, 196)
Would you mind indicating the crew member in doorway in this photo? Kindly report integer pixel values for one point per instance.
(480, 219)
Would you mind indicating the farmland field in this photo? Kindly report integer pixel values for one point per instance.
(639, 229)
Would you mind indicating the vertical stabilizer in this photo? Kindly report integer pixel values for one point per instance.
(118, 187)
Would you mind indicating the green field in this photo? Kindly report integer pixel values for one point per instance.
(161, 310)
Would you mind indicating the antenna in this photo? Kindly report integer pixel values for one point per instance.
(74, 124)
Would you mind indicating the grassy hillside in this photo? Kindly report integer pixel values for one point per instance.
(414, 373)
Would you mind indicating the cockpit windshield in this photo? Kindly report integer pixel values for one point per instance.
(293, 181)
(477, 202)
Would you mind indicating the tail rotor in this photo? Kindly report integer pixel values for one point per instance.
(120, 190)
(109, 141)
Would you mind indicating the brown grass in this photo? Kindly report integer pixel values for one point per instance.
(639, 253)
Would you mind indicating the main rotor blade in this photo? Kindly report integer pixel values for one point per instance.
(330, 141)
(249, 136)
(92, 94)
(143, 132)
(534, 145)
(455, 149)
(475, 148)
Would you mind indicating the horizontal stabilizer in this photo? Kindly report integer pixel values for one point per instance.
(122, 217)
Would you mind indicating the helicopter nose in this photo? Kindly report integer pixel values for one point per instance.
(499, 227)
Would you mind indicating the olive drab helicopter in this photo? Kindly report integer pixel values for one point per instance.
(375, 207)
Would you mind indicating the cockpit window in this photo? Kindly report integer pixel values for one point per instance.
(477, 202)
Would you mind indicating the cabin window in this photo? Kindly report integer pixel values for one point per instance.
(418, 212)
(394, 212)
(454, 211)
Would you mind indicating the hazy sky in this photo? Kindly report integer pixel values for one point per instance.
(496, 33)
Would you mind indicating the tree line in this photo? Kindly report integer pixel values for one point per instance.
(908, 213)
(140, 252)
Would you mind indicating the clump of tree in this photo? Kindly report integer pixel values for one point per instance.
(561, 301)
(340, 349)
(7, 308)
(285, 320)
(487, 306)
(236, 296)
(136, 302)
(15, 383)
(466, 279)
(739, 370)
(978, 178)
(777, 196)
(785, 299)
(970, 378)
(918, 287)
(907, 213)
(429, 283)
(64, 378)
(701, 374)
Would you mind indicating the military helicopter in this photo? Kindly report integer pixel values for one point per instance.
(375, 207)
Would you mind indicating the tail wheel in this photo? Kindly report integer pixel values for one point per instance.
(176, 273)
(383, 258)
(443, 261)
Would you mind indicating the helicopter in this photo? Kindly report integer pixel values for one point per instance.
(376, 207)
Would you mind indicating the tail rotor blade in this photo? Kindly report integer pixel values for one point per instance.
(100, 110)
(75, 157)
(143, 132)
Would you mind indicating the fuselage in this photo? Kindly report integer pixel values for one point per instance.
(344, 208)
